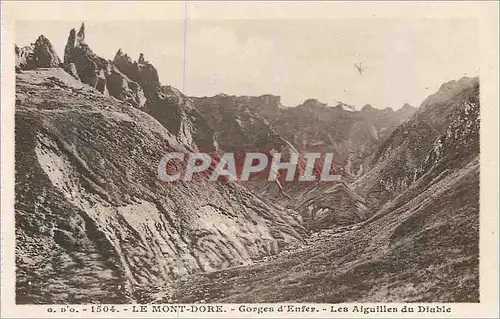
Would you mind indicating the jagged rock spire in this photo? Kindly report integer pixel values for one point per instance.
(40, 54)
(80, 37)
(70, 44)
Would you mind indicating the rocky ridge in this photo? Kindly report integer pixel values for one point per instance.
(81, 62)
(420, 245)
(94, 224)
(398, 162)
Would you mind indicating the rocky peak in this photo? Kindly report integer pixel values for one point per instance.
(122, 57)
(141, 59)
(40, 54)
(312, 103)
(407, 109)
(367, 108)
(89, 67)
(70, 44)
(141, 72)
(80, 36)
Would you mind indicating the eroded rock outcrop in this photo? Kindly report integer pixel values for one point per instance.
(142, 72)
(82, 63)
(167, 104)
(40, 54)
(445, 122)
(94, 223)
(89, 66)
(422, 245)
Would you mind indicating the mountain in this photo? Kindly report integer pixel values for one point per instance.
(93, 221)
(421, 245)
(95, 224)
(40, 54)
(351, 135)
(263, 123)
(238, 124)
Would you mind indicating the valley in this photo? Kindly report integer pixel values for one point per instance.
(95, 224)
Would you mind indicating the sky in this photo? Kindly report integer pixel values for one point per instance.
(406, 59)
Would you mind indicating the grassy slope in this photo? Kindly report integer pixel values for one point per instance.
(425, 250)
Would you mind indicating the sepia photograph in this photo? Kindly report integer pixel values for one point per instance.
(247, 161)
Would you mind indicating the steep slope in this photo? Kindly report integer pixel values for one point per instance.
(40, 54)
(83, 64)
(422, 245)
(93, 222)
(352, 135)
(424, 251)
(168, 105)
(261, 124)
